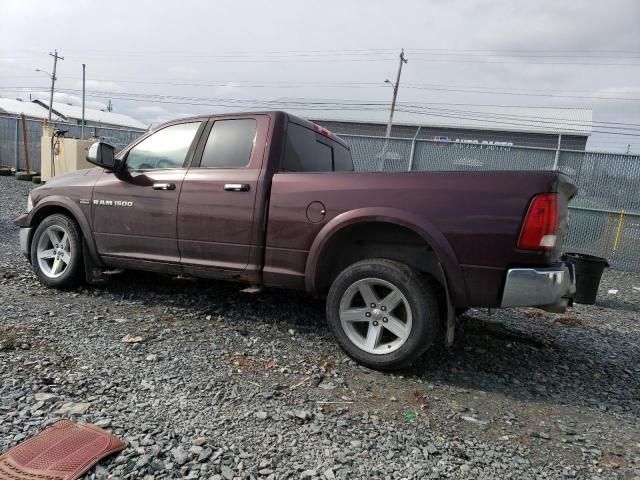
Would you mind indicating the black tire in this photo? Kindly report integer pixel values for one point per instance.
(36, 179)
(73, 274)
(419, 294)
(5, 172)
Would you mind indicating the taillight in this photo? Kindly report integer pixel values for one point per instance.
(540, 227)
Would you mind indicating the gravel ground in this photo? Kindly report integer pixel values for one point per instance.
(227, 384)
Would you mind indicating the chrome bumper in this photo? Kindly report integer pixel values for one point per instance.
(25, 240)
(548, 288)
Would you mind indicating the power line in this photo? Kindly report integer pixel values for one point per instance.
(499, 88)
(287, 84)
(413, 86)
(584, 53)
(428, 105)
(482, 115)
(582, 97)
(295, 59)
(422, 108)
(356, 107)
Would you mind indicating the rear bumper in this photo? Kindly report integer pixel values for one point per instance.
(548, 288)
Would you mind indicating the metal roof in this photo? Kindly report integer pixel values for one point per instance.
(30, 109)
(95, 116)
(570, 121)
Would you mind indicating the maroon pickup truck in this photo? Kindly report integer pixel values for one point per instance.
(273, 200)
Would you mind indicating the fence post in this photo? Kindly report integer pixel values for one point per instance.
(25, 144)
(556, 161)
(616, 241)
(17, 145)
(413, 149)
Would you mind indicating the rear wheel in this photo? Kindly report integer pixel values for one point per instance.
(56, 252)
(384, 314)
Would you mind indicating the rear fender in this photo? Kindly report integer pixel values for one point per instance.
(431, 235)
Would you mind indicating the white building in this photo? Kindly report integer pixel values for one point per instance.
(12, 106)
(92, 117)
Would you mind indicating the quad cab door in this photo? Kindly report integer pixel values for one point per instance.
(218, 214)
(135, 210)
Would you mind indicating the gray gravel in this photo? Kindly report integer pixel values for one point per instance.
(226, 384)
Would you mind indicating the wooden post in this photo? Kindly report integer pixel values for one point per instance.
(619, 231)
(25, 143)
(15, 151)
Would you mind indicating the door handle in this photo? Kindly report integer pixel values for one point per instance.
(164, 186)
(236, 187)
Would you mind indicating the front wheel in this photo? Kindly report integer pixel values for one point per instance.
(56, 252)
(383, 313)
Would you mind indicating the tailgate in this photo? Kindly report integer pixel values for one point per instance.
(566, 189)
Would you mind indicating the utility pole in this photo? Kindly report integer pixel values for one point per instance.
(53, 79)
(83, 76)
(395, 86)
(395, 92)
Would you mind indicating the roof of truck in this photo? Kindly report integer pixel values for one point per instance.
(296, 119)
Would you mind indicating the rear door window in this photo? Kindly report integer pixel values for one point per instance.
(304, 153)
(230, 144)
(308, 151)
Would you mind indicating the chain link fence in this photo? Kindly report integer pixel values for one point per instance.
(12, 141)
(604, 216)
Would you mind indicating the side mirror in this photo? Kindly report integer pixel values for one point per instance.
(103, 155)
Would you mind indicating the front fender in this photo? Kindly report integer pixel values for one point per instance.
(55, 203)
(420, 225)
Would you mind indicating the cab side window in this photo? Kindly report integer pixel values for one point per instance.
(230, 144)
(304, 151)
(167, 148)
(308, 151)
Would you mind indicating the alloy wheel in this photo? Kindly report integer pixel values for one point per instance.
(54, 251)
(376, 316)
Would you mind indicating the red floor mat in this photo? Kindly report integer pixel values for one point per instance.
(62, 451)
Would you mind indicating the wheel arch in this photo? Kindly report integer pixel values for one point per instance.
(62, 205)
(416, 234)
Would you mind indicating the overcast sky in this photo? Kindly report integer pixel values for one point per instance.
(158, 59)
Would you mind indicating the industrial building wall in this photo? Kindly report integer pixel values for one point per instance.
(12, 144)
(523, 139)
